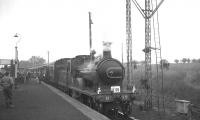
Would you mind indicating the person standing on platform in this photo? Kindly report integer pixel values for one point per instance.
(7, 83)
(40, 78)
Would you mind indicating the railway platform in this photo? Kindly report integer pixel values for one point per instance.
(34, 101)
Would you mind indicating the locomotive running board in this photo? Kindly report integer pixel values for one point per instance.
(87, 92)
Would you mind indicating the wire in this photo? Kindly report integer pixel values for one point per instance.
(157, 15)
(156, 9)
(139, 8)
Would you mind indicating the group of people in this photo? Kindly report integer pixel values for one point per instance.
(7, 83)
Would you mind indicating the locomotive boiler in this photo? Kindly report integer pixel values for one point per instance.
(104, 73)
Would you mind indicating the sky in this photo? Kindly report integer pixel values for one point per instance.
(62, 28)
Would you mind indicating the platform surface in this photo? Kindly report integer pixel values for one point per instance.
(35, 101)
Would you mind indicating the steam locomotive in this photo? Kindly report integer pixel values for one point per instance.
(96, 83)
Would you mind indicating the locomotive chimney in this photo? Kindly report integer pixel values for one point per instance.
(107, 49)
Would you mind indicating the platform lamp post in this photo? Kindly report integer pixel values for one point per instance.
(16, 56)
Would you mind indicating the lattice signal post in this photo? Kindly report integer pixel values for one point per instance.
(147, 13)
(148, 72)
(128, 43)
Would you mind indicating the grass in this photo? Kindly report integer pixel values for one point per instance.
(181, 81)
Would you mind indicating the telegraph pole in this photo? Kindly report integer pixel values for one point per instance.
(48, 58)
(90, 32)
(122, 55)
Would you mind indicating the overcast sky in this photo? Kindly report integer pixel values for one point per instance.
(62, 28)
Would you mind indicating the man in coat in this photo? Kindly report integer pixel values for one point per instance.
(7, 83)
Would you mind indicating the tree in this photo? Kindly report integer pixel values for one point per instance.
(33, 61)
(134, 62)
(198, 61)
(184, 60)
(176, 61)
(165, 64)
(194, 60)
(25, 64)
(36, 60)
(188, 60)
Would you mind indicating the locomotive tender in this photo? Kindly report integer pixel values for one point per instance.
(97, 83)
